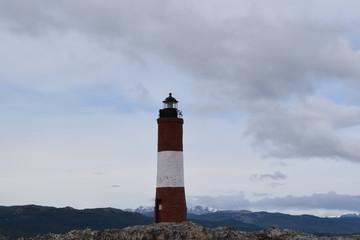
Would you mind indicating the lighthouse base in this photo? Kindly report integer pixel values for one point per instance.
(170, 205)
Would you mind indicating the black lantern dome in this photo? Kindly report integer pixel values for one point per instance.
(170, 102)
(170, 108)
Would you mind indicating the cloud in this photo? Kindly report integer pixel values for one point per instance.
(249, 55)
(240, 57)
(276, 176)
(261, 194)
(115, 186)
(255, 60)
(268, 176)
(328, 201)
(237, 201)
(275, 184)
(310, 129)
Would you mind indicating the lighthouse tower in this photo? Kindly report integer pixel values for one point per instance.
(170, 204)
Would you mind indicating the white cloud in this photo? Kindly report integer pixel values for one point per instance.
(310, 129)
(317, 201)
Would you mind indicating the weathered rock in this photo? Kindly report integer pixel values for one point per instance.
(185, 231)
(278, 233)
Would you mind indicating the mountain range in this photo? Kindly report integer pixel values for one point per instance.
(198, 210)
(32, 220)
(350, 215)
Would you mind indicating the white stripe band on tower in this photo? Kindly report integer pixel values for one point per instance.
(170, 169)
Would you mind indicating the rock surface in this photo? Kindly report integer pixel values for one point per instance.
(182, 231)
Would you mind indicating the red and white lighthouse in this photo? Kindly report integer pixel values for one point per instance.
(170, 203)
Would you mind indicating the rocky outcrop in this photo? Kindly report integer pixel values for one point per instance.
(182, 231)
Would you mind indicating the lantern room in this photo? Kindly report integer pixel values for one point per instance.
(170, 108)
(170, 102)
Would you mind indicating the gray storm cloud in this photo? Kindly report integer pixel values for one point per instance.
(329, 201)
(268, 176)
(313, 128)
(256, 61)
(246, 56)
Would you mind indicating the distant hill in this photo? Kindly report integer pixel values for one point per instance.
(149, 210)
(350, 215)
(305, 223)
(254, 221)
(31, 220)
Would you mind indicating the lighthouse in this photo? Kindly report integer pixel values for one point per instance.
(170, 203)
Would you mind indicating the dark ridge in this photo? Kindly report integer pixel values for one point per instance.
(32, 220)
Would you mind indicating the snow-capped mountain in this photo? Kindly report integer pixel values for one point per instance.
(198, 210)
(354, 215)
(141, 209)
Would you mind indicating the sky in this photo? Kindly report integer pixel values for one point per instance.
(270, 94)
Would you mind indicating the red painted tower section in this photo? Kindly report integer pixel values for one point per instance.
(170, 203)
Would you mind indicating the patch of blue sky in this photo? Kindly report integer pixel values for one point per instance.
(15, 98)
(353, 36)
(106, 98)
(337, 91)
(353, 132)
(23, 104)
